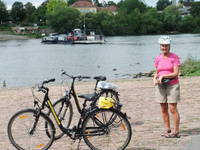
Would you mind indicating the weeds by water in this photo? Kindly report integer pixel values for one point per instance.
(190, 67)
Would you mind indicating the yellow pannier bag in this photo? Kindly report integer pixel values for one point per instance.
(106, 102)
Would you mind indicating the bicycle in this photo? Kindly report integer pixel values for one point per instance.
(64, 108)
(30, 123)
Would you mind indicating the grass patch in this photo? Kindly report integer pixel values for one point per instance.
(5, 28)
(190, 67)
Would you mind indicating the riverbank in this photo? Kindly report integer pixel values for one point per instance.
(6, 35)
(137, 96)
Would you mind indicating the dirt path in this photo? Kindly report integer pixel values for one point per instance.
(137, 97)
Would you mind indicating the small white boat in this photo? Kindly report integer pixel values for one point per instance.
(51, 39)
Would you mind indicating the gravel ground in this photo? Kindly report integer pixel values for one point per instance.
(137, 96)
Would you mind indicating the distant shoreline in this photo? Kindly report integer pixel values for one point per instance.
(4, 36)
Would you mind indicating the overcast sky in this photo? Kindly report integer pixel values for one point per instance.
(38, 2)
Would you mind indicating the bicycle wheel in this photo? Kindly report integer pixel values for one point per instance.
(25, 134)
(106, 134)
(110, 93)
(64, 111)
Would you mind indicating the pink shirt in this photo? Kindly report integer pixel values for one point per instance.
(166, 65)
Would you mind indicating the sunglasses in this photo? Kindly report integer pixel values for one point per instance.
(165, 45)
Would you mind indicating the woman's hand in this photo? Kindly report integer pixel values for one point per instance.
(155, 81)
(160, 79)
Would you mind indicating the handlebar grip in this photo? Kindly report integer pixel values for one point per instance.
(50, 80)
(63, 72)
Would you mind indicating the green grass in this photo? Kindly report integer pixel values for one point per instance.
(34, 35)
(190, 67)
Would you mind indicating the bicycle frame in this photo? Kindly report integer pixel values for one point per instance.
(73, 93)
(82, 111)
(49, 104)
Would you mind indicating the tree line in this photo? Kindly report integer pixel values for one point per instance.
(133, 17)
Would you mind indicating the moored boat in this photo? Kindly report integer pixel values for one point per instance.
(51, 39)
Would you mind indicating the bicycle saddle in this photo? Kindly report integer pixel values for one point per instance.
(100, 78)
(88, 97)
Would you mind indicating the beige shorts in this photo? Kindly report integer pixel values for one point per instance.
(169, 94)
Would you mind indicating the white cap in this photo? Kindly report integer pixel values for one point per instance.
(164, 40)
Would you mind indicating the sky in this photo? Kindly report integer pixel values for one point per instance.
(38, 2)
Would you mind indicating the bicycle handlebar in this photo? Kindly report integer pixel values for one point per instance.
(83, 77)
(41, 86)
(74, 77)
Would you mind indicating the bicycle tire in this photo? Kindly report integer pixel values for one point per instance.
(20, 126)
(64, 111)
(110, 93)
(110, 135)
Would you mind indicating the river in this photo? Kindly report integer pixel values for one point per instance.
(26, 62)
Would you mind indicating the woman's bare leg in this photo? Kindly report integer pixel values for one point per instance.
(165, 115)
(175, 115)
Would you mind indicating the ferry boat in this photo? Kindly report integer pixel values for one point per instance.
(81, 37)
(77, 36)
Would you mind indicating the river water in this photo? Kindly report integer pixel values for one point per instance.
(26, 62)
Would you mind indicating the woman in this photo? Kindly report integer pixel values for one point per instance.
(168, 95)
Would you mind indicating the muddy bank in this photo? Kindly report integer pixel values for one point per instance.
(8, 36)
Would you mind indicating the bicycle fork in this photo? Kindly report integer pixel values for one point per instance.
(36, 115)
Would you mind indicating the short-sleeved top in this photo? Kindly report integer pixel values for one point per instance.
(165, 65)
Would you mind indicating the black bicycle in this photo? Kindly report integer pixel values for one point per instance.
(63, 106)
(27, 129)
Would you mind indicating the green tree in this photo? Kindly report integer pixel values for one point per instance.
(128, 24)
(101, 22)
(128, 6)
(70, 2)
(40, 15)
(64, 20)
(134, 20)
(18, 12)
(94, 20)
(181, 1)
(172, 18)
(109, 26)
(162, 4)
(30, 10)
(54, 5)
(196, 23)
(90, 21)
(150, 22)
(187, 25)
(110, 3)
(195, 9)
(3, 12)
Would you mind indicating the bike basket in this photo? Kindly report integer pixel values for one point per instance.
(106, 102)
